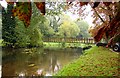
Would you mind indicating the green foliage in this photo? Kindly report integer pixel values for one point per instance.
(41, 22)
(29, 36)
(35, 38)
(83, 26)
(54, 21)
(50, 25)
(8, 27)
(22, 36)
(54, 8)
(68, 29)
(34, 30)
(45, 28)
(95, 62)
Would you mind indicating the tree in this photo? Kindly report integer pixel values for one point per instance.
(0, 28)
(53, 12)
(54, 21)
(8, 26)
(108, 28)
(55, 8)
(106, 19)
(29, 36)
(83, 26)
(50, 25)
(68, 29)
(22, 34)
(35, 35)
(23, 10)
(46, 29)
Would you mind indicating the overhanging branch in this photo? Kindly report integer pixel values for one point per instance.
(98, 15)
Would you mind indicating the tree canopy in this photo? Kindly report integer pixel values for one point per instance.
(106, 21)
(106, 16)
(83, 26)
(68, 29)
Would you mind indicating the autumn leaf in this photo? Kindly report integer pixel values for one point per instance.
(107, 3)
(23, 10)
(83, 3)
(41, 6)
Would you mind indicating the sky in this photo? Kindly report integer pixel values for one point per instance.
(3, 3)
(88, 18)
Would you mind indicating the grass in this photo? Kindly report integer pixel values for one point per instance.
(95, 62)
(67, 45)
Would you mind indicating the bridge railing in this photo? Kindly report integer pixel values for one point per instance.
(70, 40)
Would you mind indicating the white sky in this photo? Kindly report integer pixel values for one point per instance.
(88, 18)
(3, 3)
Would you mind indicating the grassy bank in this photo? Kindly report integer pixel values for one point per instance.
(95, 62)
(60, 45)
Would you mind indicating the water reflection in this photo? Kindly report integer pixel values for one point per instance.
(36, 61)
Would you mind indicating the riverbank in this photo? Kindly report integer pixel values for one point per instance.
(56, 45)
(97, 61)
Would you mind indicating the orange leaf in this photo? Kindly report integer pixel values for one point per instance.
(24, 11)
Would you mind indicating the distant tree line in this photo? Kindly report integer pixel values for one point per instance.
(53, 24)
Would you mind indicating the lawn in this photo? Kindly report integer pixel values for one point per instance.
(97, 61)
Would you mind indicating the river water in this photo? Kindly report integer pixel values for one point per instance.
(36, 61)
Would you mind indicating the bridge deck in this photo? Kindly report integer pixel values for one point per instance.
(70, 40)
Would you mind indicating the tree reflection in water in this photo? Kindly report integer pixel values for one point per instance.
(54, 67)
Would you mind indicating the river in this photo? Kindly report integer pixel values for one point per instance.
(36, 61)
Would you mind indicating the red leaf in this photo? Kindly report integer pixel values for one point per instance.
(107, 3)
(83, 3)
(41, 6)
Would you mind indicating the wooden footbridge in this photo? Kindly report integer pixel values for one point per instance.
(70, 40)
